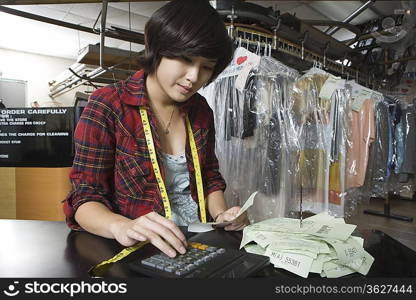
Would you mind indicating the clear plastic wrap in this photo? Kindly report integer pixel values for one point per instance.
(388, 170)
(256, 138)
(312, 117)
(324, 133)
(280, 136)
(361, 145)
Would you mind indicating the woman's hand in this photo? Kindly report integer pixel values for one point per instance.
(230, 215)
(152, 227)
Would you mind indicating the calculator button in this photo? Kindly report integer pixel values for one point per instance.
(170, 269)
(181, 272)
(203, 247)
(149, 263)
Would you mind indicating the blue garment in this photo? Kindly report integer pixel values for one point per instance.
(390, 124)
(399, 136)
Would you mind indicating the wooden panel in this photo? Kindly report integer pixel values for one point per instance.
(40, 191)
(7, 193)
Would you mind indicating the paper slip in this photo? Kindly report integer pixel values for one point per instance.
(356, 89)
(199, 227)
(335, 231)
(362, 265)
(285, 225)
(241, 55)
(364, 94)
(359, 240)
(324, 245)
(204, 227)
(255, 249)
(347, 251)
(253, 61)
(333, 270)
(317, 265)
(330, 86)
(321, 217)
(261, 238)
(301, 252)
(295, 263)
(326, 229)
(367, 263)
(287, 244)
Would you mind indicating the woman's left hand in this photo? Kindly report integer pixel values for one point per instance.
(230, 215)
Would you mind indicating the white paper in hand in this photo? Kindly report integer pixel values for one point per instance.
(201, 227)
(246, 205)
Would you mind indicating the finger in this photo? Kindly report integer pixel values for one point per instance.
(160, 244)
(132, 234)
(226, 217)
(169, 224)
(155, 228)
(241, 227)
(237, 225)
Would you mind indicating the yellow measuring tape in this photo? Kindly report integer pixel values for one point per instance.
(98, 269)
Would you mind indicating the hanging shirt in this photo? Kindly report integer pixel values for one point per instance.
(381, 144)
(362, 135)
(408, 168)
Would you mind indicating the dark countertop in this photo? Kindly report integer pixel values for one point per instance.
(50, 249)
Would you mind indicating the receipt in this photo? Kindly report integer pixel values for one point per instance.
(295, 263)
(335, 230)
(200, 227)
(324, 245)
(255, 249)
(347, 251)
(299, 244)
(204, 227)
(333, 270)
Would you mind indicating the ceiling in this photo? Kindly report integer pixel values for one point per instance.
(32, 36)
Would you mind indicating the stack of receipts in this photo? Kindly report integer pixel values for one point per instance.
(322, 245)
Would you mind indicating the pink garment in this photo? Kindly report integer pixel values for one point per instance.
(362, 135)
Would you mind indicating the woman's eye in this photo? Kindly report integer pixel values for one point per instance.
(209, 68)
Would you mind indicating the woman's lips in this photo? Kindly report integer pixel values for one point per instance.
(184, 89)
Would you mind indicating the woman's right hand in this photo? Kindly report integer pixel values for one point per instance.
(152, 227)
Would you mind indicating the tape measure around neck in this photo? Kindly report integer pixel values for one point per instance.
(158, 174)
(198, 173)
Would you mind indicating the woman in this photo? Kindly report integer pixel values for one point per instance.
(119, 191)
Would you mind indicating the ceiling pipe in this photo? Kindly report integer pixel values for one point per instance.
(333, 30)
(354, 29)
(133, 37)
(102, 31)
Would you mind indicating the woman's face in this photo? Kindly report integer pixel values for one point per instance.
(180, 78)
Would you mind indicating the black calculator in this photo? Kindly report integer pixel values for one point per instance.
(201, 261)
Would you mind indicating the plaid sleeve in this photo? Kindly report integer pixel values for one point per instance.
(213, 178)
(93, 167)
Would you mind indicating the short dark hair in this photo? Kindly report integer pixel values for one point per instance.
(186, 28)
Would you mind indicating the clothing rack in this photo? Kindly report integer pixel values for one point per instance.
(386, 212)
(391, 195)
(281, 45)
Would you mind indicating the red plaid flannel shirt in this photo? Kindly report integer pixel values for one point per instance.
(112, 164)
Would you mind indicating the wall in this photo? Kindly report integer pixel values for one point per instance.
(37, 70)
(34, 193)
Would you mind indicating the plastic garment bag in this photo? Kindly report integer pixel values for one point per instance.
(256, 138)
(323, 126)
(313, 122)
